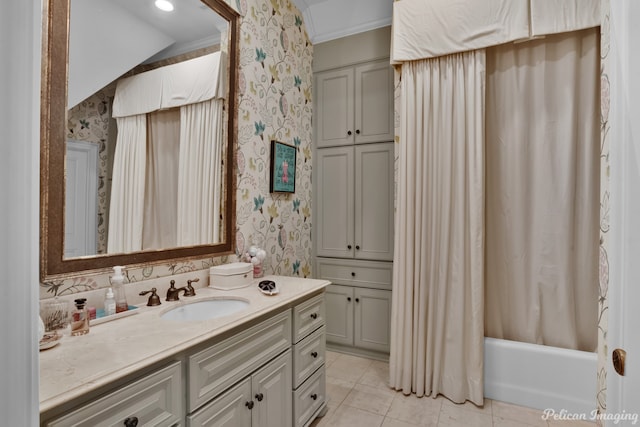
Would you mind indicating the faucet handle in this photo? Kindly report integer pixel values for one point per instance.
(154, 299)
(190, 291)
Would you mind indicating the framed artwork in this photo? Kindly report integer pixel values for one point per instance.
(283, 168)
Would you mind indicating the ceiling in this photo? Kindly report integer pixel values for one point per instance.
(331, 19)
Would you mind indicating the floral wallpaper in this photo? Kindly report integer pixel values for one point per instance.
(89, 122)
(274, 103)
(603, 303)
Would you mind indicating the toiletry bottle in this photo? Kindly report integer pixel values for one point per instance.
(109, 303)
(80, 322)
(117, 284)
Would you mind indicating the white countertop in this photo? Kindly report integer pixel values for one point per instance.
(115, 349)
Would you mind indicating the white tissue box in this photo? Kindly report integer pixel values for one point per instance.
(231, 276)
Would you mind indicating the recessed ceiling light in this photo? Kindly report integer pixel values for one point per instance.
(165, 5)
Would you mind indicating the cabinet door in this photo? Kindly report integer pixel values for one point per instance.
(231, 409)
(271, 387)
(374, 198)
(334, 108)
(339, 309)
(374, 102)
(335, 204)
(372, 319)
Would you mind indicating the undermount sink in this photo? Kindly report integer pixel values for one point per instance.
(207, 309)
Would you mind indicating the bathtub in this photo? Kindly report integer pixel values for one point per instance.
(539, 376)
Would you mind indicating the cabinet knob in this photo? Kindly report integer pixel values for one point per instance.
(357, 247)
(357, 299)
(249, 404)
(314, 316)
(349, 299)
(131, 421)
(349, 132)
(314, 354)
(314, 396)
(357, 131)
(353, 274)
(259, 397)
(348, 246)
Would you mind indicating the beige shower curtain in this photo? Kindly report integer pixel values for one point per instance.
(200, 172)
(542, 207)
(161, 192)
(127, 188)
(438, 307)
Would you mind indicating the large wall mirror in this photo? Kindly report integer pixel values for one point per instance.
(138, 130)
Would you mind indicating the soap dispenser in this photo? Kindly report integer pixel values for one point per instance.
(117, 285)
(80, 322)
(109, 303)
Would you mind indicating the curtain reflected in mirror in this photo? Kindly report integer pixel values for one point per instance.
(145, 132)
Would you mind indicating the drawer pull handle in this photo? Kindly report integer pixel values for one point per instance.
(314, 396)
(249, 404)
(259, 397)
(353, 274)
(314, 354)
(314, 316)
(349, 299)
(131, 421)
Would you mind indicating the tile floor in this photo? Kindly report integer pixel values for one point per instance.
(358, 395)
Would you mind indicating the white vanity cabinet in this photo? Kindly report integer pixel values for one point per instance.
(309, 395)
(153, 400)
(358, 305)
(354, 105)
(261, 400)
(265, 372)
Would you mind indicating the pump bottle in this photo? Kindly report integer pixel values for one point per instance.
(109, 303)
(117, 285)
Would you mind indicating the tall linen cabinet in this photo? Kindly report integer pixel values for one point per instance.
(354, 192)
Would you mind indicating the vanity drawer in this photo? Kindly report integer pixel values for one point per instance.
(308, 356)
(307, 317)
(369, 274)
(216, 368)
(155, 400)
(308, 398)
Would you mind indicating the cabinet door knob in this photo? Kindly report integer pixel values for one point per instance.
(349, 132)
(357, 247)
(353, 274)
(357, 299)
(314, 396)
(314, 354)
(349, 299)
(314, 316)
(357, 131)
(131, 421)
(259, 397)
(348, 246)
(249, 404)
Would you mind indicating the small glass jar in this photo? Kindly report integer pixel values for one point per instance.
(55, 315)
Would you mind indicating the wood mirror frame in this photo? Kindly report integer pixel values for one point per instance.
(55, 54)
